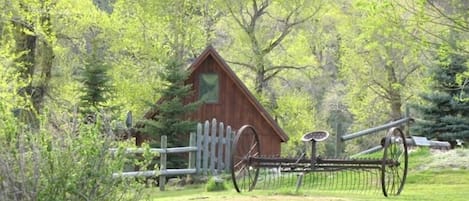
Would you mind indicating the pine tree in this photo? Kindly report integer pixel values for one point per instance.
(97, 88)
(171, 109)
(445, 116)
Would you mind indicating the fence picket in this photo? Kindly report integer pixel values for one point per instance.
(213, 144)
(205, 147)
(198, 160)
(228, 139)
(192, 155)
(221, 130)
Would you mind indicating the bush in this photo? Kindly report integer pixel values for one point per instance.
(60, 161)
(216, 184)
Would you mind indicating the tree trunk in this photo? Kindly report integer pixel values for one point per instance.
(43, 61)
(25, 46)
(36, 58)
(260, 83)
(396, 105)
(394, 93)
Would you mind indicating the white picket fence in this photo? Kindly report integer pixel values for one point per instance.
(209, 153)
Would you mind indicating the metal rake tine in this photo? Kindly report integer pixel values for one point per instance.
(350, 180)
(320, 180)
(277, 179)
(353, 180)
(376, 179)
(326, 179)
(365, 180)
(342, 182)
(362, 180)
(336, 175)
(359, 180)
(331, 180)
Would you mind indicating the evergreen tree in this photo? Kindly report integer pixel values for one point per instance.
(97, 87)
(171, 108)
(445, 116)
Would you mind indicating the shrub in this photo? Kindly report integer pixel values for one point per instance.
(61, 161)
(216, 184)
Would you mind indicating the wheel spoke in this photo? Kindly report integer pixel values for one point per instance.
(253, 147)
(238, 163)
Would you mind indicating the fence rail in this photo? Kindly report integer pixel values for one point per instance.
(157, 150)
(209, 153)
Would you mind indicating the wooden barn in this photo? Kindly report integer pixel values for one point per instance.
(228, 100)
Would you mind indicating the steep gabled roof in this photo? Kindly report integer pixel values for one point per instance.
(210, 51)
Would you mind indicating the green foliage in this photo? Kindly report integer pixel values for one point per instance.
(216, 184)
(380, 61)
(61, 161)
(97, 88)
(169, 111)
(366, 56)
(171, 108)
(444, 114)
(296, 121)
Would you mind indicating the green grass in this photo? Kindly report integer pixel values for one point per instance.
(424, 182)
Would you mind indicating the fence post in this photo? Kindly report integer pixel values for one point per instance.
(192, 143)
(213, 144)
(163, 162)
(221, 131)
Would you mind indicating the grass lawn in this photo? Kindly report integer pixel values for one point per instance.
(445, 183)
(412, 191)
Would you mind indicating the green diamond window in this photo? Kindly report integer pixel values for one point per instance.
(209, 87)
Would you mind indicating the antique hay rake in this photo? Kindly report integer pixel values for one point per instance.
(249, 168)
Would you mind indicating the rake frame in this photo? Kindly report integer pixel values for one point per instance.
(247, 160)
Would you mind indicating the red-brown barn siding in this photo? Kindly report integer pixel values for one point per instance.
(233, 108)
(236, 106)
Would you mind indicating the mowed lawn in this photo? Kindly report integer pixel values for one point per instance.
(441, 182)
(412, 191)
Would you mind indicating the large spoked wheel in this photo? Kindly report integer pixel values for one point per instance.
(244, 171)
(395, 161)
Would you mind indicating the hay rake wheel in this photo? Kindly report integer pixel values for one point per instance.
(395, 162)
(246, 146)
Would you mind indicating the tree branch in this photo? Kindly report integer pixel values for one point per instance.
(278, 69)
(267, 78)
(251, 67)
(379, 93)
(238, 20)
(386, 91)
(288, 28)
(283, 67)
(461, 26)
(413, 69)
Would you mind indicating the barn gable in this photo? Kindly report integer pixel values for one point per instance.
(228, 100)
(210, 62)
